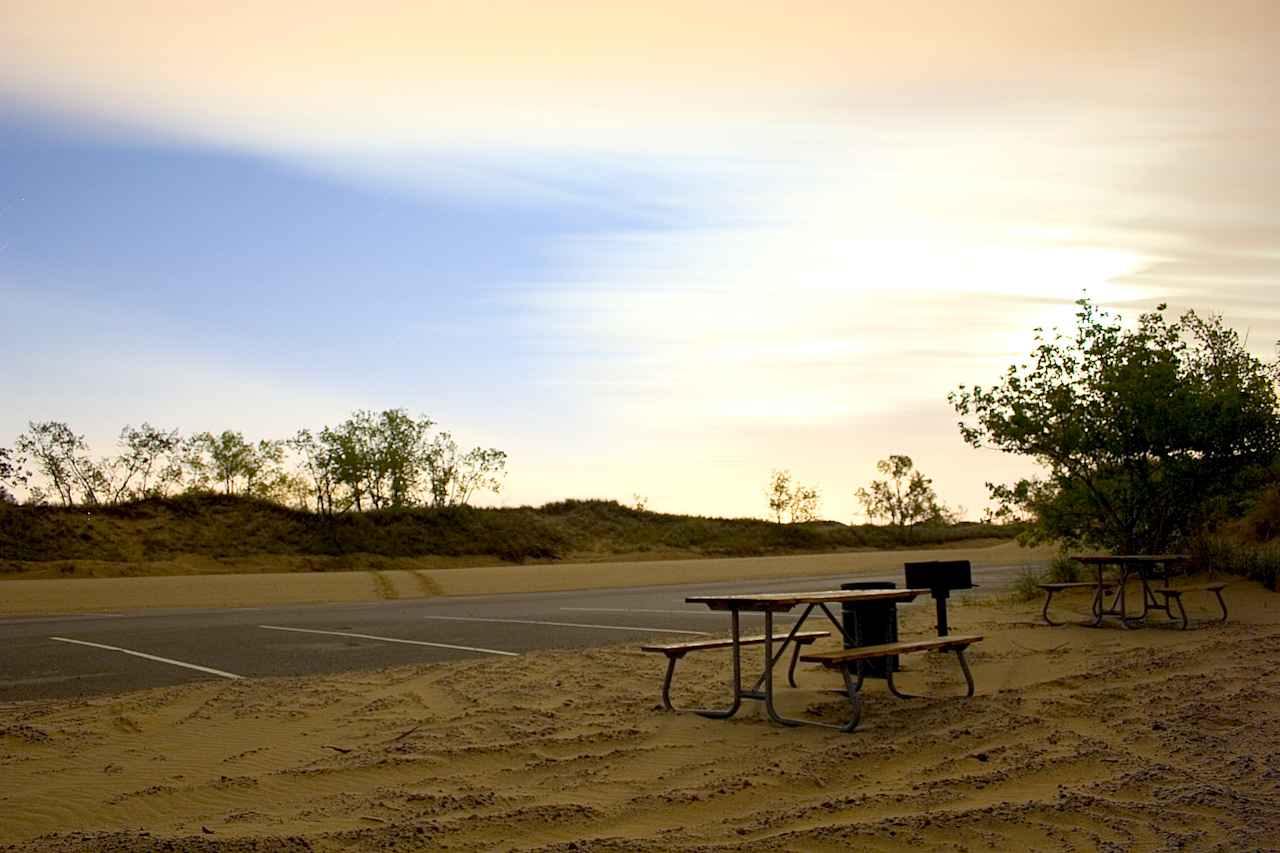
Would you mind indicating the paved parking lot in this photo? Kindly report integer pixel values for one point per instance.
(83, 655)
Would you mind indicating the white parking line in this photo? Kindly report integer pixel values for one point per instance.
(632, 628)
(170, 661)
(390, 640)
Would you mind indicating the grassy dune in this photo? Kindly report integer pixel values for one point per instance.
(214, 534)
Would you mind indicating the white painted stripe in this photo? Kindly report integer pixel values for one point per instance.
(635, 629)
(391, 640)
(170, 661)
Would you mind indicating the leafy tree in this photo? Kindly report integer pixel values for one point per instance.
(390, 459)
(1145, 433)
(149, 463)
(399, 450)
(905, 499)
(12, 474)
(454, 477)
(319, 469)
(778, 493)
(804, 504)
(267, 477)
(378, 457)
(799, 503)
(218, 460)
(62, 457)
(237, 466)
(345, 457)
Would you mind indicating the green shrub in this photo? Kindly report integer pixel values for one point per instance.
(1258, 562)
(1027, 585)
(1063, 569)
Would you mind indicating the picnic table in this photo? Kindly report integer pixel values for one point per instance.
(773, 603)
(1145, 567)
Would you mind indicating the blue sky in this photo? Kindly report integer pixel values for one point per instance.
(249, 261)
(642, 253)
(348, 289)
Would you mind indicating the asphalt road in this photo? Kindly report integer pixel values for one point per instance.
(85, 655)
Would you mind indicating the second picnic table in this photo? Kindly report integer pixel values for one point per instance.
(1146, 567)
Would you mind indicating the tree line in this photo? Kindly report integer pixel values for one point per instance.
(371, 460)
(1148, 436)
(904, 500)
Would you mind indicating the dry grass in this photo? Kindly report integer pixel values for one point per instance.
(212, 534)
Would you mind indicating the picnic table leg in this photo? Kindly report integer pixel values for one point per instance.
(1097, 602)
(1165, 585)
(791, 670)
(1149, 597)
(768, 671)
(711, 713)
(672, 657)
(964, 667)
(1098, 597)
(1183, 611)
(1143, 592)
(1167, 607)
(852, 641)
(968, 676)
(1121, 602)
(768, 682)
(1144, 582)
(790, 638)
(855, 699)
(1221, 603)
(1048, 597)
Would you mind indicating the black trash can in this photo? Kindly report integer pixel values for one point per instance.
(871, 623)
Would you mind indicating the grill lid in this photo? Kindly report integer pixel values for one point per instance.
(938, 575)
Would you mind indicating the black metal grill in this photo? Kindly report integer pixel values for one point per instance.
(940, 577)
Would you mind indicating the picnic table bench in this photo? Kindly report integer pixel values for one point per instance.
(853, 662)
(675, 651)
(1175, 596)
(1051, 588)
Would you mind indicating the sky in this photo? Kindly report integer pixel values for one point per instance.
(654, 249)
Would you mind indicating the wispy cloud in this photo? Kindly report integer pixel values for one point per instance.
(686, 242)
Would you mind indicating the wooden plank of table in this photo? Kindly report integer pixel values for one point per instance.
(784, 601)
(1115, 559)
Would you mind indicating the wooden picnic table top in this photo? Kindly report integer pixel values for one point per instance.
(783, 601)
(1109, 559)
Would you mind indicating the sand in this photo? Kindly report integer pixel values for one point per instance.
(100, 595)
(1078, 739)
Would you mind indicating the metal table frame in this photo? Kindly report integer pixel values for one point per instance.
(1146, 567)
(769, 604)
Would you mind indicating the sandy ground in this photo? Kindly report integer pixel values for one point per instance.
(1079, 739)
(73, 595)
